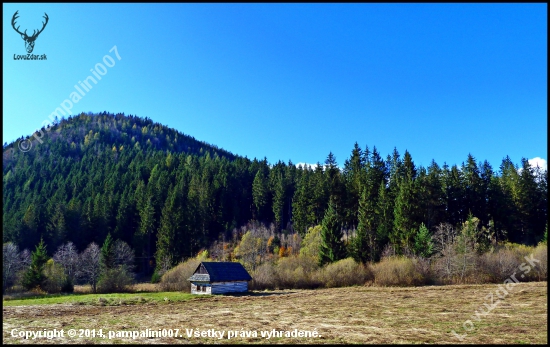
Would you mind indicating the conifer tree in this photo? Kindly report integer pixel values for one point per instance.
(364, 245)
(259, 194)
(384, 215)
(34, 276)
(303, 214)
(423, 243)
(404, 212)
(279, 196)
(332, 247)
(528, 203)
(320, 193)
(107, 257)
(353, 177)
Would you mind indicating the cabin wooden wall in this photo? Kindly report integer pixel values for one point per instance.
(207, 287)
(229, 287)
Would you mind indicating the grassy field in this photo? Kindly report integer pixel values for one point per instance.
(115, 299)
(338, 315)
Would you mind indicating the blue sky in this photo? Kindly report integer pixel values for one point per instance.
(296, 81)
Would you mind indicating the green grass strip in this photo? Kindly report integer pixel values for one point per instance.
(114, 299)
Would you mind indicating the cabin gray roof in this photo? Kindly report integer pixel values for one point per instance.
(220, 272)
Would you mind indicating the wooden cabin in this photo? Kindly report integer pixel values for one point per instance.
(219, 278)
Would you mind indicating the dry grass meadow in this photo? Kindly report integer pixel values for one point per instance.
(340, 315)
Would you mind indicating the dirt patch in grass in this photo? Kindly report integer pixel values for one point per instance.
(339, 315)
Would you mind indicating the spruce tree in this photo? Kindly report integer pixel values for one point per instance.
(259, 194)
(528, 197)
(332, 247)
(279, 190)
(170, 224)
(34, 277)
(423, 243)
(364, 243)
(404, 211)
(107, 258)
(384, 215)
(353, 178)
(303, 214)
(472, 187)
(320, 192)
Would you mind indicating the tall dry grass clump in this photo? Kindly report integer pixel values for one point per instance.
(397, 271)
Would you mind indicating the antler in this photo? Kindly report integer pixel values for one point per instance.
(13, 24)
(43, 26)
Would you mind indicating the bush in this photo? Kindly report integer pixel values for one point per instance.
(175, 279)
(297, 272)
(498, 265)
(311, 242)
(345, 272)
(156, 277)
(55, 279)
(423, 266)
(264, 277)
(115, 280)
(541, 269)
(397, 271)
(68, 286)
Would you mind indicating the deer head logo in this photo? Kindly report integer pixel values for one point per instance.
(29, 40)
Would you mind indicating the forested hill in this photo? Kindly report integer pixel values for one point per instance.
(169, 195)
(80, 178)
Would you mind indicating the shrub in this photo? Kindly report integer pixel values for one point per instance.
(520, 252)
(397, 271)
(156, 277)
(115, 280)
(458, 268)
(541, 254)
(345, 272)
(55, 279)
(68, 286)
(498, 265)
(297, 272)
(175, 279)
(264, 277)
(311, 242)
(423, 266)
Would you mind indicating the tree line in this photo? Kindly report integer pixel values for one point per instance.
(108, 268)
(169, 196)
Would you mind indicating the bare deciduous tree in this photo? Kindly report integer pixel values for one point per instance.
(25, 257)
(67, 256)
(124, 255)
(443, 237)
(12, 264)
(89, 268)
